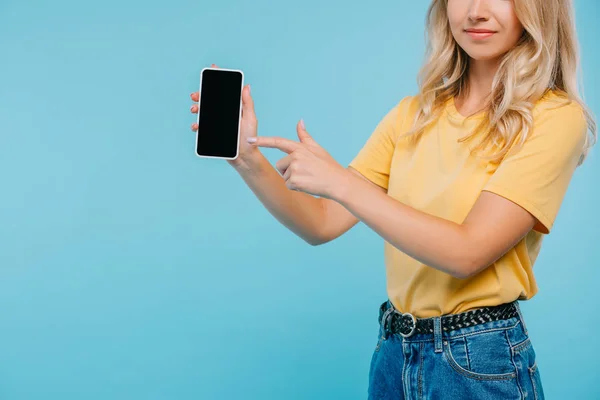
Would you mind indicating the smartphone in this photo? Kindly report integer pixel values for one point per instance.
(219, 113)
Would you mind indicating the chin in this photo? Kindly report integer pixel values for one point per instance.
(483, 56)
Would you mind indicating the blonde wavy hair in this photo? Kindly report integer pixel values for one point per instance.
(545, 58)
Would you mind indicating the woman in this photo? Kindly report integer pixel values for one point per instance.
(462, 181)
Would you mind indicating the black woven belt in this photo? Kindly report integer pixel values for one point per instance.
(406, 324)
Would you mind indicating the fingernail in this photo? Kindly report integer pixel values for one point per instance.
(251, 140)
(192, 108)
(302, 123)
(249, 90)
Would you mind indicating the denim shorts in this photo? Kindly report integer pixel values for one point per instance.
(492, 360)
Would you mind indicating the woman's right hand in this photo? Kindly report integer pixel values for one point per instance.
(248, 128)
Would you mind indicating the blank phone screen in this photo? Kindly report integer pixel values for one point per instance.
(219, 113)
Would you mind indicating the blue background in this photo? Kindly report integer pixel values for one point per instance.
(131, 269)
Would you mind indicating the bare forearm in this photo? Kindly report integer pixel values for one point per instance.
(434, 241)
(301, 213)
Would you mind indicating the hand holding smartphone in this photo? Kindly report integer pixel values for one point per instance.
(219, 115)
(223, 134)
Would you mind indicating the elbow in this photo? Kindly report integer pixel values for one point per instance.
(463, 273)
(316, 240)
(468, 267)
(318, 236)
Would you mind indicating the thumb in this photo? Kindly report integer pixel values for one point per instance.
(303, 134)
(248, 104)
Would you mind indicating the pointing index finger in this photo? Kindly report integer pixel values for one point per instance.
(282, 144)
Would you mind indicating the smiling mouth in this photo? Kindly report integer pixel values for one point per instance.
(479, 33)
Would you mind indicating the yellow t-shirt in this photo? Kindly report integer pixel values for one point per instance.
(439, 176)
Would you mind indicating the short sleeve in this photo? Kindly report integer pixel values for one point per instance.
(537, 175)
(373, 161)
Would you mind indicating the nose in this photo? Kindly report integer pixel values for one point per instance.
(479, 10)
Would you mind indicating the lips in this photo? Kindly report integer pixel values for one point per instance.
(479, 33)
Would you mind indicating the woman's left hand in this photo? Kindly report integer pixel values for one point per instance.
(307, 167)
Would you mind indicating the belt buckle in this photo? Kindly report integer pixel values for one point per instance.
(413, 328)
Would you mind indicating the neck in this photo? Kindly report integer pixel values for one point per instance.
(479, 87)
(480, 78)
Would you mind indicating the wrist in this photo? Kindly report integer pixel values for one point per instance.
(249, 161)
(343, 190)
